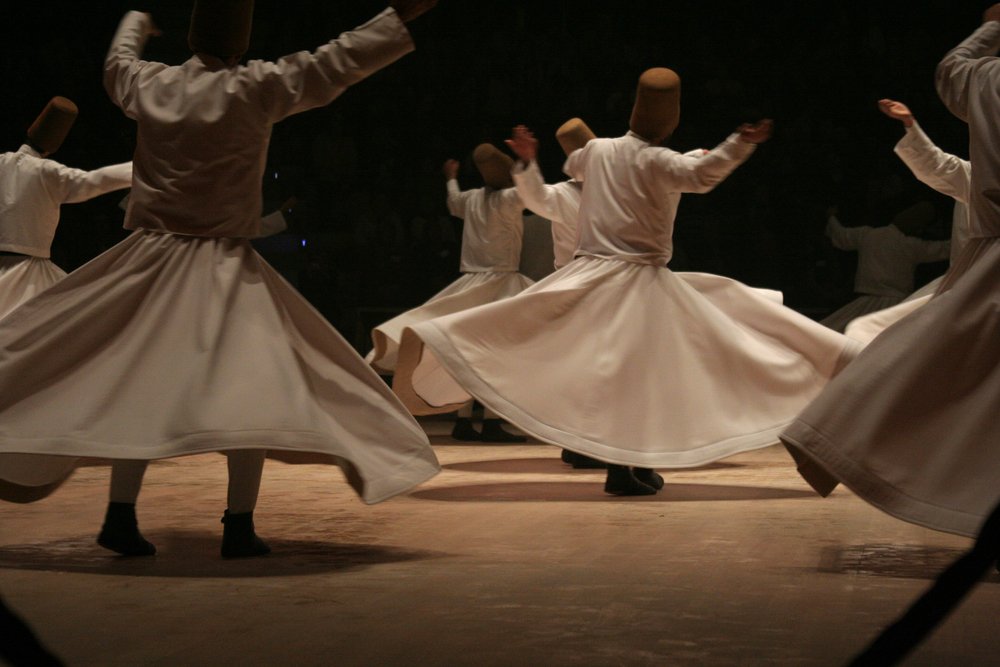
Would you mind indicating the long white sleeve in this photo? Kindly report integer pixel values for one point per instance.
(122, 65)
(83, 185)
(33, 188)
(306, 80)
(957, 71)
(968, 81)
(701, 173)
(537, 197)
(844, 238)
(946, 173)
(456, 198)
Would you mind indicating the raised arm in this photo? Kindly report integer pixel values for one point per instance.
(946, 173)
(702, 172)
(456, 198)
(537, 197)
(843, 238)
(78, 185)
(960, 67)
(306, 80)
(122, 64)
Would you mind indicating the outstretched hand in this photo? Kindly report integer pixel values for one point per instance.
(756, 133)
(992, 14)
(450, 169)
(411, 9)
(897, 110)
(524, 144)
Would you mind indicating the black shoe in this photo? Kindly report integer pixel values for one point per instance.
(120, 532)
(583, 462)
(567, 456)
(649, 476)
(493, 432)
(463, 431)
(621, 481)
(239, 539)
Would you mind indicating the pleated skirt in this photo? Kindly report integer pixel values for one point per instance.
(171, 345)
(629, 363)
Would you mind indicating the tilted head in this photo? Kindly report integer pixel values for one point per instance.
(573, 135)
(49, 130)
(494, 165)
(657, 109)
(221, 27)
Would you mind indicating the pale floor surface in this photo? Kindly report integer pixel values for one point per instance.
(508, 557)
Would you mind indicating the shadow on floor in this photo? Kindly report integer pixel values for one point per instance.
(902, 561)
(189, 554)
(554, 466)
(593, 492)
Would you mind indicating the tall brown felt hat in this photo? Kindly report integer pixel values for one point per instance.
(221, 27)
(657, 109)
(49, 130)
(494, 165)
(573, 134)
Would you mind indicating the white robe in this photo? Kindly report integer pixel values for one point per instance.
(911, 425)
(887, 259)
(492, 230)
(949, 175)
(560, 204)
(181, 339)
(32, 189)
(614, 356)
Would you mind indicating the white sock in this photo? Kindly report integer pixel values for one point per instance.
(245, 469)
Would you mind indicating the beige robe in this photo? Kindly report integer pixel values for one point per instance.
(615, 356)
(911, 425)
(182, 339)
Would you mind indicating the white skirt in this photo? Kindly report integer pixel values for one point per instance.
(630, 364)
(863, 305)
(169, 345)
(864, 329)
(911, 426)
(469, 291)
(23, 277)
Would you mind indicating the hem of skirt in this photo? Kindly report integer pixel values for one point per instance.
(411, 350)
(873, 489)
(434, 339)
(287, 446)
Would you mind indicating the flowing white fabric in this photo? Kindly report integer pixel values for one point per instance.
(492, 231)
(469, 291)
(616, 357)
(23, 277)
(186, 342)
(911, 425)
(169, 345)
(839, 319)
(426, 388)
(864, 329)
(630, 364)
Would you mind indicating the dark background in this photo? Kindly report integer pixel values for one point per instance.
(366, 169)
